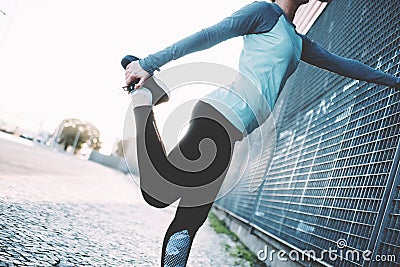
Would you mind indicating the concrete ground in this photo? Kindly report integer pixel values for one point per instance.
(58, 210)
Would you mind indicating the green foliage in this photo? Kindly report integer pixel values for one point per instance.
(220, 227)
(243, 256)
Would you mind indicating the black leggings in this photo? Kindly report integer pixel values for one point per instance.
(192, 172)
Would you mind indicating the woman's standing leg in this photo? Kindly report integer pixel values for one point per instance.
(192, 213)
(180, 234)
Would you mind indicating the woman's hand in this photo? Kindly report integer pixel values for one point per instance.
(135, 71)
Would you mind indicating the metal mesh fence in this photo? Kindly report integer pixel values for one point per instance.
(334, 172)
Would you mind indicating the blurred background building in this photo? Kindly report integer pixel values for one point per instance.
(334, 173)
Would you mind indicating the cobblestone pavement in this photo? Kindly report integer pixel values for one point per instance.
(57, 210)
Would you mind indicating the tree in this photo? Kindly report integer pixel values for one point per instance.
(75, 133)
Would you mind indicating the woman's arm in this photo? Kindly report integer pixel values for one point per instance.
(253, 18)
(244, 21)
(316, 55)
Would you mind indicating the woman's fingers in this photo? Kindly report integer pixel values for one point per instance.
(130, 74)
(134, 71)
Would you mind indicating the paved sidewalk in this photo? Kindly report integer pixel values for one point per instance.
(57, 210)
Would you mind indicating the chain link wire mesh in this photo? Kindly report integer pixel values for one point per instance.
(334, 174)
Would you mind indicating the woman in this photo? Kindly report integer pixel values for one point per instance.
(271, 52)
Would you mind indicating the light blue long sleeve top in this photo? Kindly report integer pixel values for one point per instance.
(271, 52)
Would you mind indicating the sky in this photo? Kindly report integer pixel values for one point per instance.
(61, 58)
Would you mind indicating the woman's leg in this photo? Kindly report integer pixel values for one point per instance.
(155, 189)
(192, 213)
(180, 234)
(201, 156)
